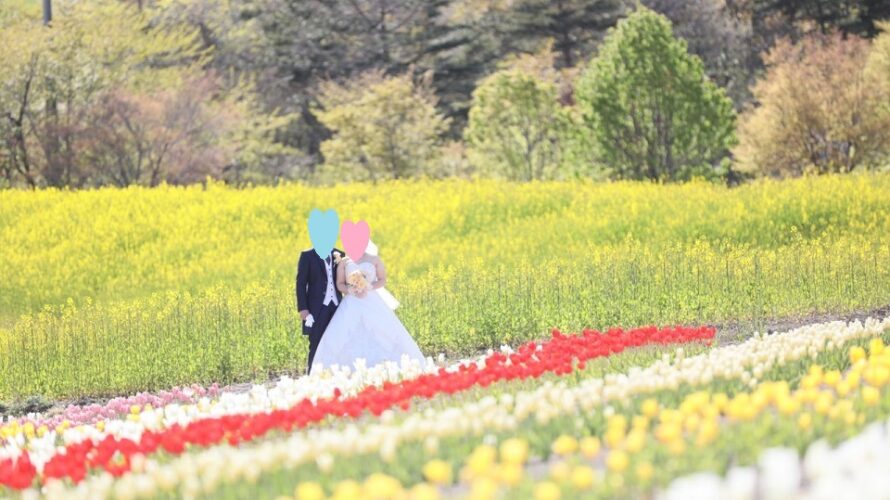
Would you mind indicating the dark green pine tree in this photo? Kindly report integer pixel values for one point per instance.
(575, 26)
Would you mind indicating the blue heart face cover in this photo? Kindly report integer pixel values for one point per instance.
(324, 228)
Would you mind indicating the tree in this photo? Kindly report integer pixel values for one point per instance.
(820, 110)
(720, 39)
(649, 109)
(178, 135)
(383, 127)
(517, 122)
(80, 109)
(575, 26)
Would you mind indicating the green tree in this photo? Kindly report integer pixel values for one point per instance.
(383, 127)
(517, 123)
(649, 109)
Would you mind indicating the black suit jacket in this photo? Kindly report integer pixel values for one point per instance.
(312, 283)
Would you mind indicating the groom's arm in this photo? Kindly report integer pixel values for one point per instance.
(302, 282)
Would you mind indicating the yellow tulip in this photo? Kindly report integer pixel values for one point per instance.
(617, 461)
(856, 353)
(547, 491)
(871, 396)
(565, 445)
(582, 477)
(590, 447)
(514, 451)
(805, 421)
(644, 471)
(423, 491)
(379, 485)
(309, 490)
(649, 408)
(437, 472)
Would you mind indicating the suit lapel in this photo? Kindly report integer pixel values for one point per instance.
(320, 262)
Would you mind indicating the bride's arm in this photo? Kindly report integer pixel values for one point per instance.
(381, 274)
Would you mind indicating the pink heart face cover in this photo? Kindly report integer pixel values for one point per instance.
(355, 238)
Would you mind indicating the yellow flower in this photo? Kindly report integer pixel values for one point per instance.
(547, 490)
(720, 400)
(617, 422)
(691, 423)
(677, 447)
(787, 406)
(856, 353)
(617, 461)
(483, 488)
(347, 490)
(707, 433)
(640, 422)
(871, 396)
(564, 445)
(135, 409)
(481, 460)
(668, 432)
(805, 421)
(644, 471)
(423, 491)
(590, 447)
(876, 346)
(582, 477)
(510, 474)
(614, 436)
(438, 472)
(876, 375)
(514, 451)
(650, 408)
(379, 485)
(309, 490)
(832, 378)
(635, 441)
(823, 402)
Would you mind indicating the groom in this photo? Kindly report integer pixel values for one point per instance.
(317, 294)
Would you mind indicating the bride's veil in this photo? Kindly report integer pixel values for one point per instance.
(387, 297)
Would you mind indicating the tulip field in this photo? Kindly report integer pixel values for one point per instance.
(583, 340)
(110, 292)
(647, 412)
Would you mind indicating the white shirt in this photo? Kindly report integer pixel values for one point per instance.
(330, 295)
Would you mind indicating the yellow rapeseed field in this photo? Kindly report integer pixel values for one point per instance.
(114, 290)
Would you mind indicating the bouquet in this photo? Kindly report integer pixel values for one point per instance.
(356, 280)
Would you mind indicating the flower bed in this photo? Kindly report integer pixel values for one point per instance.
(98, 450)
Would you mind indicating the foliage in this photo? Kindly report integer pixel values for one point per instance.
(124, 107)
(517, 123)
(819, 111)
(721, 40)
(648, 107)
(153, 274)
(383, 128)
(574, 26)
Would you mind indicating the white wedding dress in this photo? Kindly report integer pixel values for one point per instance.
(365, 328)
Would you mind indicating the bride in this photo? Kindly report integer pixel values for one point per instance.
(364, 326)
